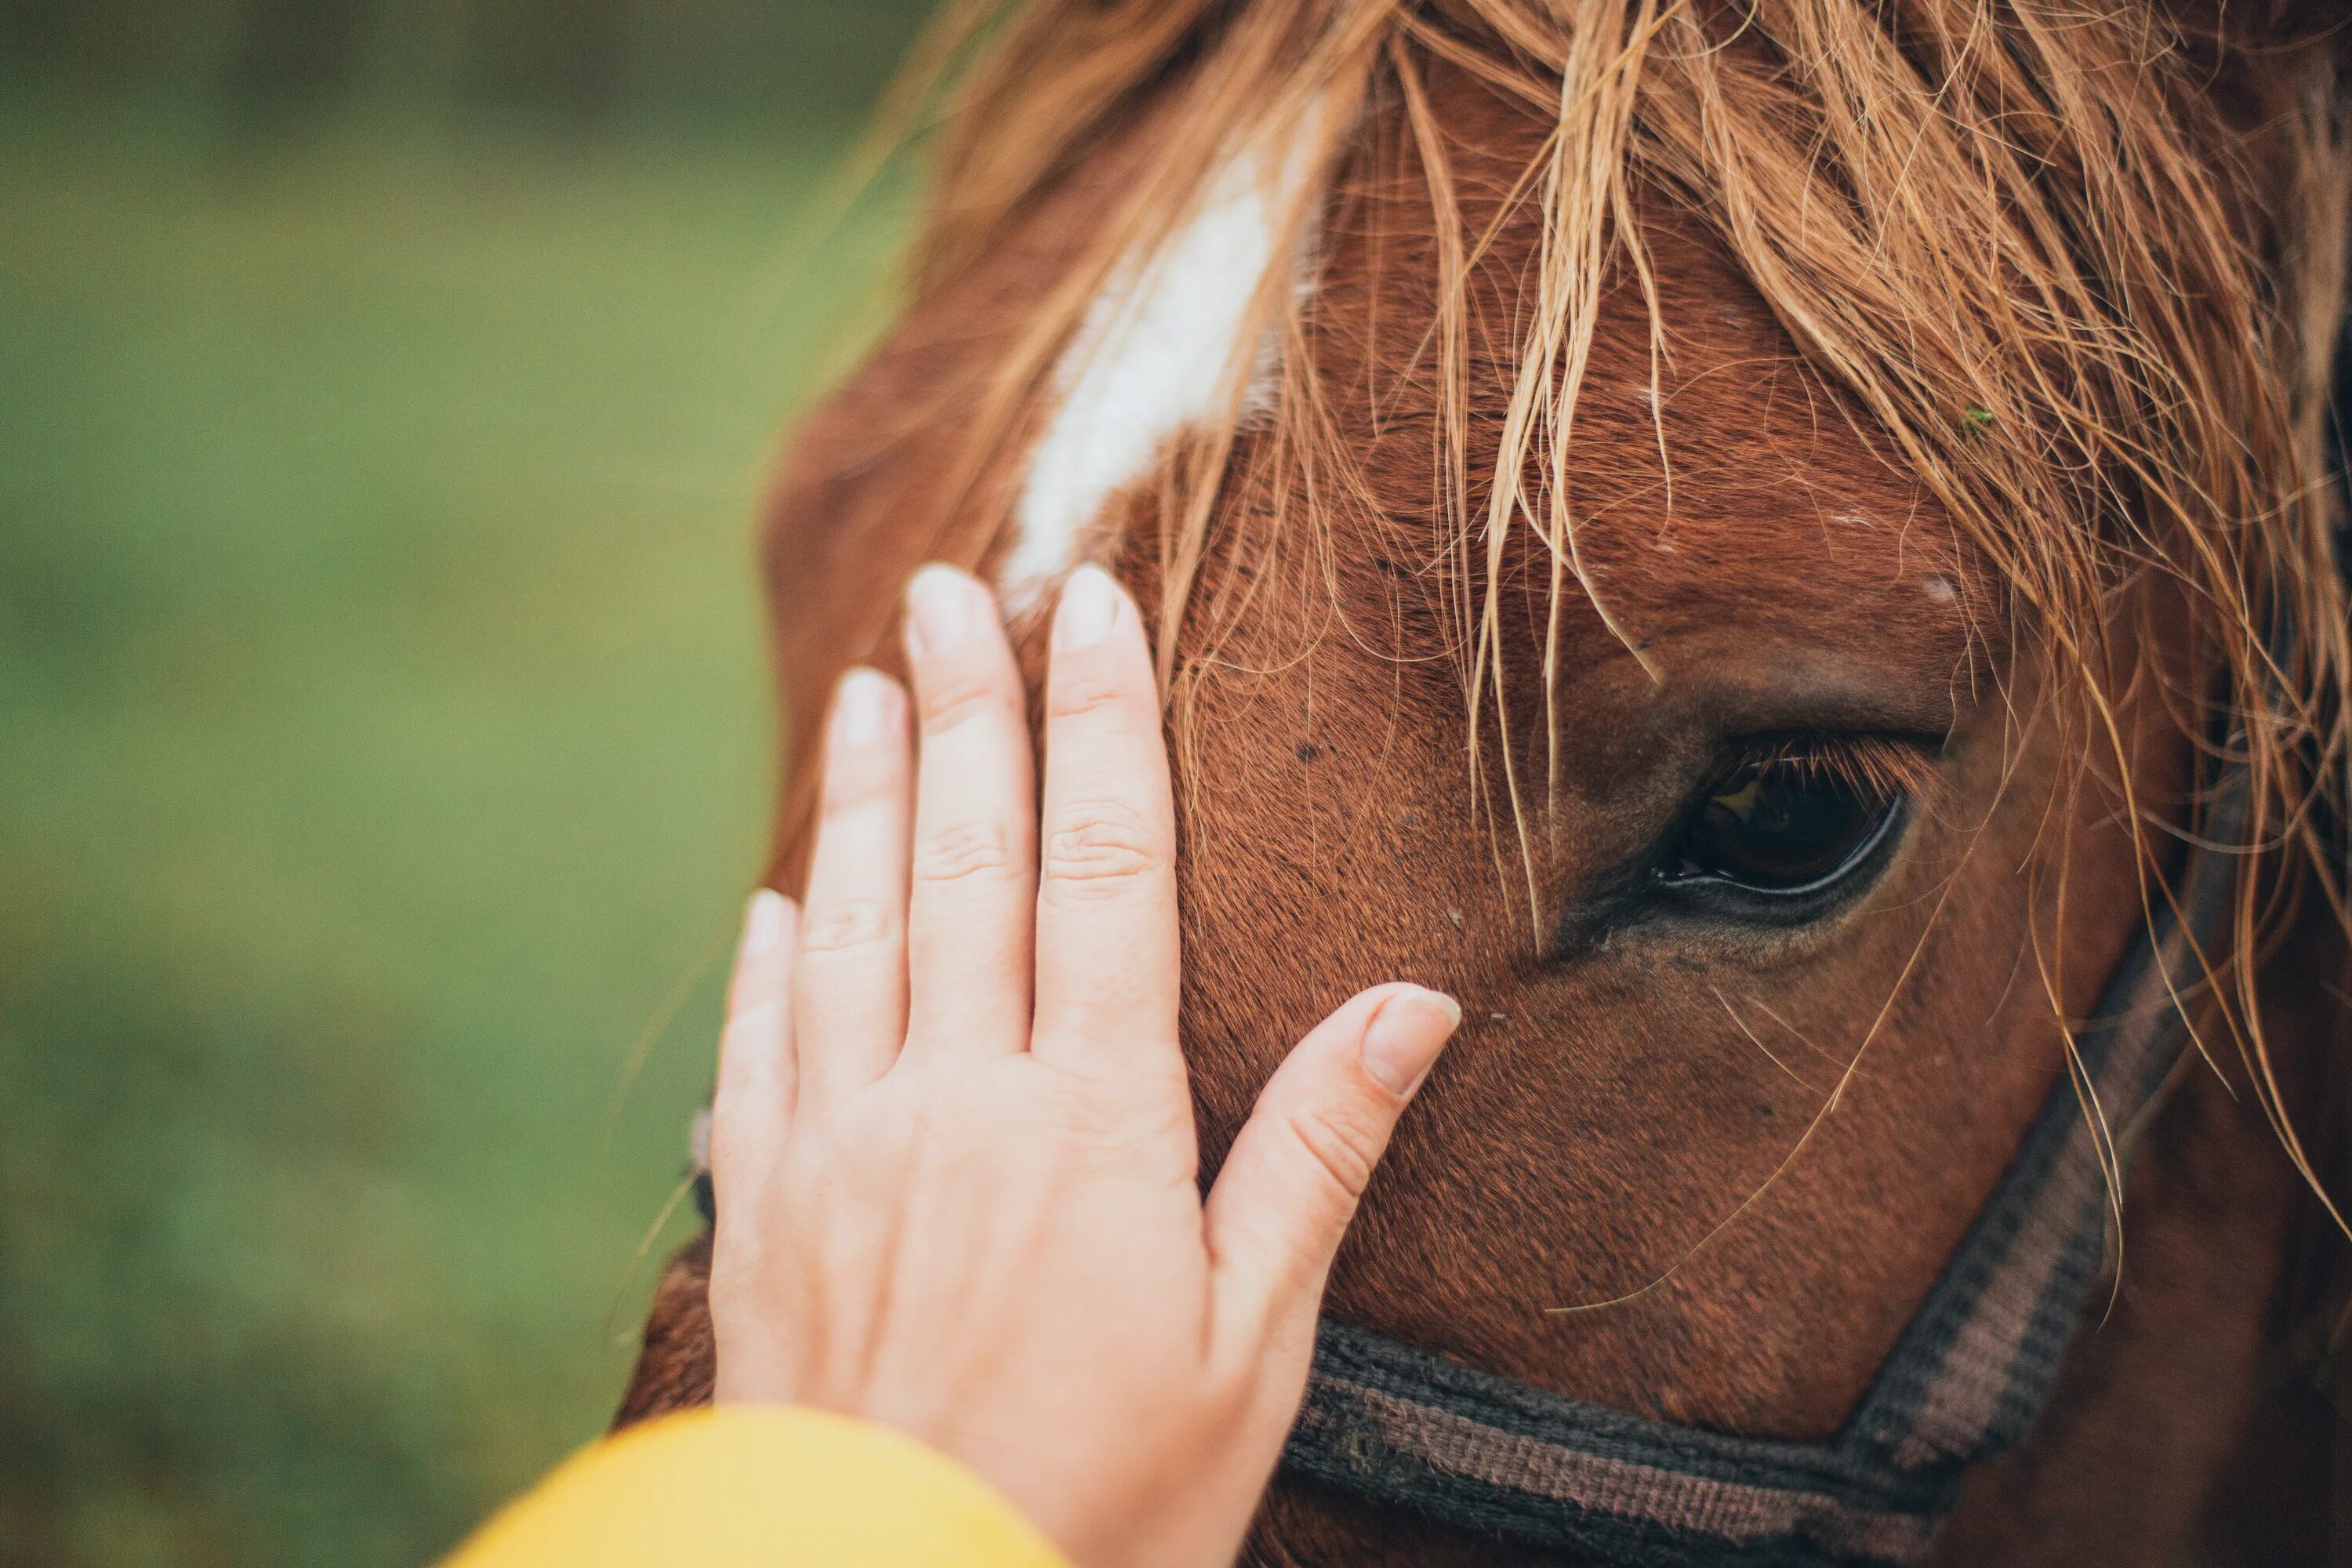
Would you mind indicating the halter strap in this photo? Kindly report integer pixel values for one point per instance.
(1385, 1421)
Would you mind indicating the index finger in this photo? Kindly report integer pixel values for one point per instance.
(1106, 941)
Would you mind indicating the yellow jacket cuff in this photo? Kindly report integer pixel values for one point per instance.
(764, 1485)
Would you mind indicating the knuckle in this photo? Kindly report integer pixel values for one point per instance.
(1101, 843)
(1077, 1100)
(1090, 1109)
(1345, 1145)
(964, 850)
(751, 1019)
(1075, 695)
(957, 699)
(852, 925)
(852, 785)
(928, 1124)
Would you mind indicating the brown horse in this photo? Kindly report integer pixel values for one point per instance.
(1769, 546)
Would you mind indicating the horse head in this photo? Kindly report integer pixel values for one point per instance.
(1780, 552)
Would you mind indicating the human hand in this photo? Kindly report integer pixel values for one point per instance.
(952, 1142)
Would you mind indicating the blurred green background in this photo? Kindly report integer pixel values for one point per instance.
(384, 742)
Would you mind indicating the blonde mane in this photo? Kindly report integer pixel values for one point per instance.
(2080, 266)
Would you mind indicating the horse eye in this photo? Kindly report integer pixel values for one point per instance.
(1783, 826)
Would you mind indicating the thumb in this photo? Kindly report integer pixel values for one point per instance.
(1291, 1184)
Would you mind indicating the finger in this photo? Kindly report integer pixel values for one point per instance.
(1106, 883)
(972, 900)
(752, 1110)
(1291, 1183)
(850, 986)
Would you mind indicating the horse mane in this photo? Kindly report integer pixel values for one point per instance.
(2080, 266)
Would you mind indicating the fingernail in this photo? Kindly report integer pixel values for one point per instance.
(763, 924)
(1089, 605)
(1402, 1043)
(941, 601)
(861, 707)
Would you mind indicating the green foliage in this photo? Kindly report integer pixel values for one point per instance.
(383, 738)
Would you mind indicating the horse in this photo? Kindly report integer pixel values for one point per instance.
(1783, 551)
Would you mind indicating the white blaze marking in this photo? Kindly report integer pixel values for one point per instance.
(1156, 351)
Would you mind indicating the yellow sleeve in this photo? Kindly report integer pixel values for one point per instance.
(764, 1485)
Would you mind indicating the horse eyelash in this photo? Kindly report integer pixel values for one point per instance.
(1880, 765)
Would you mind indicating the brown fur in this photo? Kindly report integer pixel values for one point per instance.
(1642, 1111)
